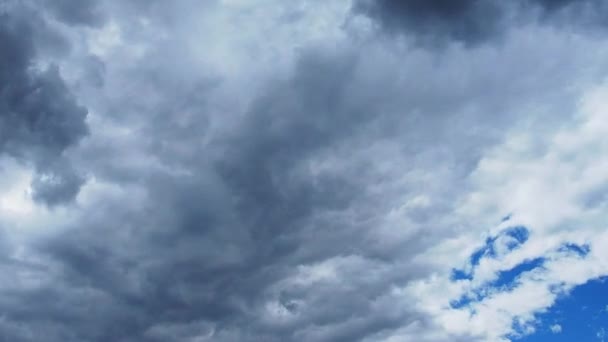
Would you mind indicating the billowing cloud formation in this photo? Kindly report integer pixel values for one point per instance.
(39, 117)
(476, 21)
(297, 179)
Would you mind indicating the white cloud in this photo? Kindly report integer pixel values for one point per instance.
(550, 183)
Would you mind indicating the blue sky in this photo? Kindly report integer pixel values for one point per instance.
(581, 315)
(580, 312)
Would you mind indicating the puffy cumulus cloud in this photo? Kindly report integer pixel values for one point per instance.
(473, 22)
(271, 171)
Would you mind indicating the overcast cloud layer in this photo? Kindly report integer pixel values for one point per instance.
(234, 170)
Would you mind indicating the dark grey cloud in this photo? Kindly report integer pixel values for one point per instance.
(215, 241)
(469, 21)
(39, 117)
(73, 12)
(476, 21)
(56, 183)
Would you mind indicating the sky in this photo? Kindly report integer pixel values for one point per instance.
(303, 170)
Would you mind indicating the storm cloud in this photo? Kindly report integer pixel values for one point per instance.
(39, 117)
(474, 22)
(239, 171)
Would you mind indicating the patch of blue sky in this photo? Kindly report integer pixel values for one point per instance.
(506, 280)
(581, 250)
(519, 236)
(463, 301)
(519, 233)
(460, 275)
(581, 315)
(474, 296)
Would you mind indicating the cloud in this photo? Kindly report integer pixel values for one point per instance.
(473, 22)
(298, 179)
(469, 21)
(498, 294)
(556, 328)
(39, 117)
(86, 12)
